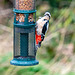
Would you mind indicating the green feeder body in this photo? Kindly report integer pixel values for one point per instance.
(24, 33)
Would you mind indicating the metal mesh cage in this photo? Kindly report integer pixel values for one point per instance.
(25, 4)
(24, 42)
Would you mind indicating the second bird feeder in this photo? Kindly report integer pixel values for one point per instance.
(24, 33)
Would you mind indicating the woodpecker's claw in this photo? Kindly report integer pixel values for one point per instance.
(38, 46)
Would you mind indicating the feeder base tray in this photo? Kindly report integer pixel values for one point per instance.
(23, 63)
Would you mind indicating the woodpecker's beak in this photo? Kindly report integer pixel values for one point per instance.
(50, 16)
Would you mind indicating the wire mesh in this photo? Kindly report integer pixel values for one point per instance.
(24, 42)
(31, 44)
(16, 44)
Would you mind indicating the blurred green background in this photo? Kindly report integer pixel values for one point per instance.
(57, 54)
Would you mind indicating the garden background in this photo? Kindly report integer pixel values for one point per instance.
(57, 54)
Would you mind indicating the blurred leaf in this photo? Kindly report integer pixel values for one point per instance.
(68, 22)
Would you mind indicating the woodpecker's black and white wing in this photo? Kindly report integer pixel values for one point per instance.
(45, 28)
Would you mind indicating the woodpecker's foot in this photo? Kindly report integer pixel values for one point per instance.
(36, 47)
(39, 45)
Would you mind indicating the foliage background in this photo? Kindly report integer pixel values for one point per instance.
(57, 54)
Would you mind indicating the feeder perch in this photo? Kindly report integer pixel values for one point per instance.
(24, 33)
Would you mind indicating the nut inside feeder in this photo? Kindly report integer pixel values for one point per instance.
(21, 18)
(25, 4)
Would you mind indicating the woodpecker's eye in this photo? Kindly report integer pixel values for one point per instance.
(45, 19)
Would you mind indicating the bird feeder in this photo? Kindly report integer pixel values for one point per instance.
(24, 33)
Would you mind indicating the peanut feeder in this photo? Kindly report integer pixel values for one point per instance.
(24, 33)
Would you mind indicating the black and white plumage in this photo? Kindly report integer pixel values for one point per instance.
(42, 27)
(41, 22)
(45, 27)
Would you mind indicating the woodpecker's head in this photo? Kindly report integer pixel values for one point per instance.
(47, 14)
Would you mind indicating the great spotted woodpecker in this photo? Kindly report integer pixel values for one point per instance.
(41, 28)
